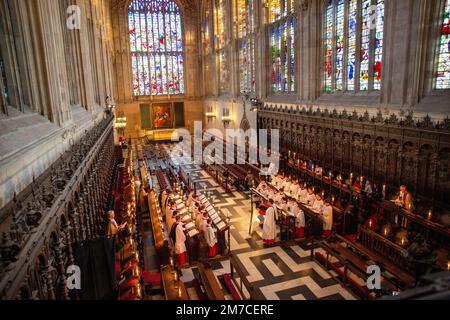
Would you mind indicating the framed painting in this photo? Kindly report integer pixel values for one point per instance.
(162, 116)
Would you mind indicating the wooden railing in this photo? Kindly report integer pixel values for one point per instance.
(243, 282)
(382, 246)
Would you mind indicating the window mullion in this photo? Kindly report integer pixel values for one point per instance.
(372, 50)
(346, 44)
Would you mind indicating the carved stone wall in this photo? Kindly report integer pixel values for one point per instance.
(63, 206)
(57, 80)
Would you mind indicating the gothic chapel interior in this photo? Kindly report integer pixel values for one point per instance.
(224, 149)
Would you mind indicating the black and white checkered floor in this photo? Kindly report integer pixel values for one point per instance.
(278, 272)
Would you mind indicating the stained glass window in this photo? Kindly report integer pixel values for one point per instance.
(379, 31)
(220, 15)
(443, 68)
(328, 76)
(351, 64)
(282, 44)
(156, 43)
(351, 53)
(365, 46)
(207, 37)
(244, 13)
(339, 63)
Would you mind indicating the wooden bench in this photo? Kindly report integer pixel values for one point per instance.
(381, 261)
(210, 283)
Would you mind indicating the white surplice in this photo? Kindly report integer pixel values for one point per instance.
(180, 245)
(327, 217)
(269, 227)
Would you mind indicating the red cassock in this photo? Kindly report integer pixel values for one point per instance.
(213, 251)
(300, 232)
(182, 259)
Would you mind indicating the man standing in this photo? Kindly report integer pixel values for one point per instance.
(299, 219)
(327, 215)
(269, 227)
(180, 245)
(211, 239)
(303, 194)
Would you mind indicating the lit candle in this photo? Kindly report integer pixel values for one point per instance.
(171, 261)
(370, 223)
(385, 231)
(448, 265)
(179, 292)
(403, 241)
(430, 214)
(351, 176)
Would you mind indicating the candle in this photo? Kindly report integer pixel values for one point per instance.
(370, 223)
(385, 231)
(171, 261)
(403, 241)
(448, 265)
(179, 292)
(430, 214)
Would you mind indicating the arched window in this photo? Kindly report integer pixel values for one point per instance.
(244, 13)
(156, 41)
(221, 44)
(282, 45)
(351, 64)
(443, 68)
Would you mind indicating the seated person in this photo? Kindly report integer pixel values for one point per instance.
(319, 171)
(357, 184)
(368, 188)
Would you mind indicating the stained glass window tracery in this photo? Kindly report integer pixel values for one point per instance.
(353, 63)
(282, 44)
(156, 43)
(244, 13)
(443, 67)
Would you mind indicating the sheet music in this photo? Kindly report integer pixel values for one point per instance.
(201, 197)
(186, 218)
(214, 215)
(193, 233)
(217, 220)
(180, 206)
(183, 211)
(178, 201)
(221, 225)
(190, 225)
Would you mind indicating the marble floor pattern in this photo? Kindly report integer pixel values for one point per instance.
(279, 272)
